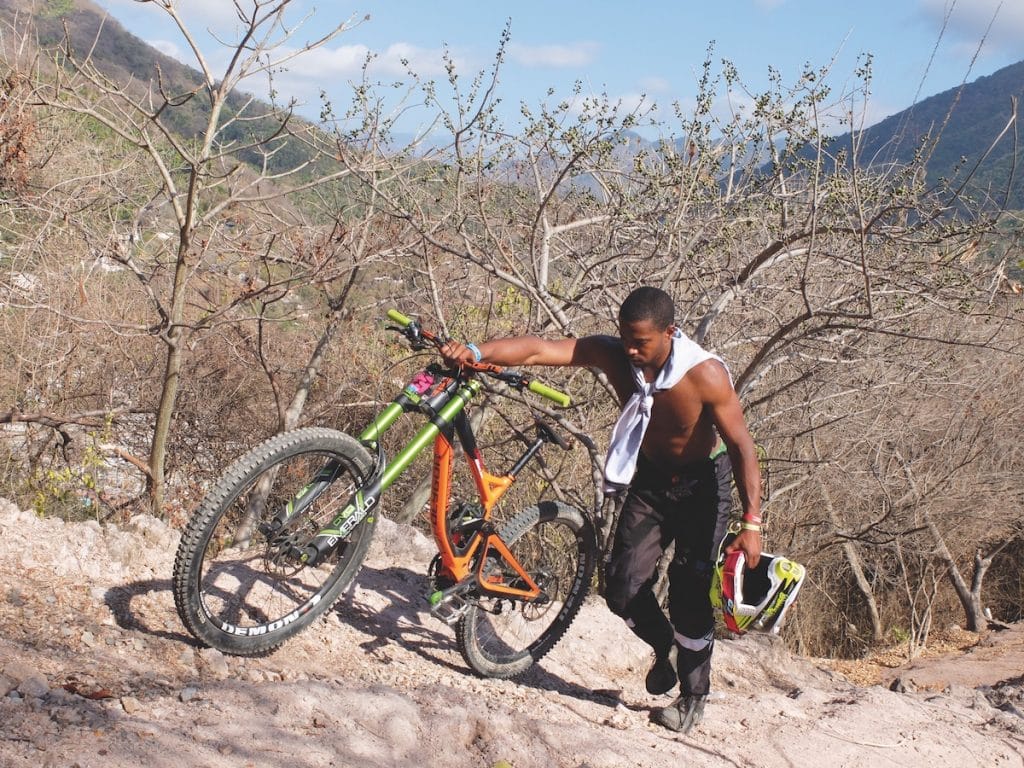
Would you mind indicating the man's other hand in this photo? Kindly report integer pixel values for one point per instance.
(749, 542)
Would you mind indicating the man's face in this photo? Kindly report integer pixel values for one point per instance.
(645, 344)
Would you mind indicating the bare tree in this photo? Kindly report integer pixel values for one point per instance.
(859, 306)
(223, 193)
(826, 283)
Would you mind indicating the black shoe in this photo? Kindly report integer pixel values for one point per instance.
(682, 714)
(662, 678)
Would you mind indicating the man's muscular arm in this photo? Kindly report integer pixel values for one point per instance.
(590, 351)
(720, 399)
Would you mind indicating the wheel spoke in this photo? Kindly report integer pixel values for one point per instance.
(261, 582)
(501, 636)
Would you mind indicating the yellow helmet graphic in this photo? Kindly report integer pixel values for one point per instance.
(755, 599)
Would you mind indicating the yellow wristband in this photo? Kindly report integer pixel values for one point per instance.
(745, 526)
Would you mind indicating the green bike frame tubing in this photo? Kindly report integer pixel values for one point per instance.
(429, 432)
(367, 497)
(385, 419)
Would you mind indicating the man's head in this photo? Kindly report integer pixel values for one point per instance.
(648, 303)
(646, 327)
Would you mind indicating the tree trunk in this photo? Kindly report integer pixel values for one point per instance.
(970, 597)
(981, 566)
(853, 559)
(292, 414)
(298, 403)
(172, 376)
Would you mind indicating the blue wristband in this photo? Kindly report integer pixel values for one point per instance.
(475, 350)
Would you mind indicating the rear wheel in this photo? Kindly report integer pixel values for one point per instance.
(502, 637)
(238, 586)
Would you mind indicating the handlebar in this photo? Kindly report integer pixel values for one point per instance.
(399, 318)
(421, 339)
(551, 394)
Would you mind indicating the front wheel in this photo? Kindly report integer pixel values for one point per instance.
(238, 584)
(501, 637)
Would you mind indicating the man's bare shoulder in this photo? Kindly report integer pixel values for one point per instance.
(600, 351)
(711, 380)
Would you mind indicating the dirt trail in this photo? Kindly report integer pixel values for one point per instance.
(95, 670)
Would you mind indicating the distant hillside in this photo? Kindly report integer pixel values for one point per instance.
(969, 118)
(125, 58)
(976, 114)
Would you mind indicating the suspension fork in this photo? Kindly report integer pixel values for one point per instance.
(444, 407)
(330, 471)
(306, 496)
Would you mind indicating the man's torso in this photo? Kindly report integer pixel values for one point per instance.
(681, 430)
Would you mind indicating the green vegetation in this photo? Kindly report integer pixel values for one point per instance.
(57, 8)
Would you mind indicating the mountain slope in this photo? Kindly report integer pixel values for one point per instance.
(138, 67)
(965, 120)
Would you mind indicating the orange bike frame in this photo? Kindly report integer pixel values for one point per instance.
(444, 405)
(490, 488)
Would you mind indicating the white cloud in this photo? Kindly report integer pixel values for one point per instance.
(633, 102)
(326, 63)
(874, 111)
(558, 56)
(331, 70)
(970, 18)
(175, 51)
(346, 61)
(656, 85)
(426, 62)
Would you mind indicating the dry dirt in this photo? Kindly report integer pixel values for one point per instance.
(96, 670)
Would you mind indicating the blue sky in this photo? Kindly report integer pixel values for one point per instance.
(627, 50)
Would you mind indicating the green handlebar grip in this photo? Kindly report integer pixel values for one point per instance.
(398, 317)
(551, 394)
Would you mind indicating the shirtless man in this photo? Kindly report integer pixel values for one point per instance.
(678, 474)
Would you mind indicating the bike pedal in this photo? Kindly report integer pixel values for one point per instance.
(448, 608)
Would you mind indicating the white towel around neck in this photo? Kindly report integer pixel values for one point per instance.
(628, 435)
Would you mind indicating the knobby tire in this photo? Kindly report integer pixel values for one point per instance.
(555, 543)
(233, 588)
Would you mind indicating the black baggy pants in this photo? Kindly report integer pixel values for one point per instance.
(689, 507)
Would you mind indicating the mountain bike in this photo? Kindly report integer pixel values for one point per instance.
(283, 532)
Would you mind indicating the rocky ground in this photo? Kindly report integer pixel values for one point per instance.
(96, 670)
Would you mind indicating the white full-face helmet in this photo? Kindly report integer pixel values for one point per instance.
(755, 599)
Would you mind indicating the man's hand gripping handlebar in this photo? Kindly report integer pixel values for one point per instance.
(460, 356)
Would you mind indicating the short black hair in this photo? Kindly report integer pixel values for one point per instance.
(648, 303)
